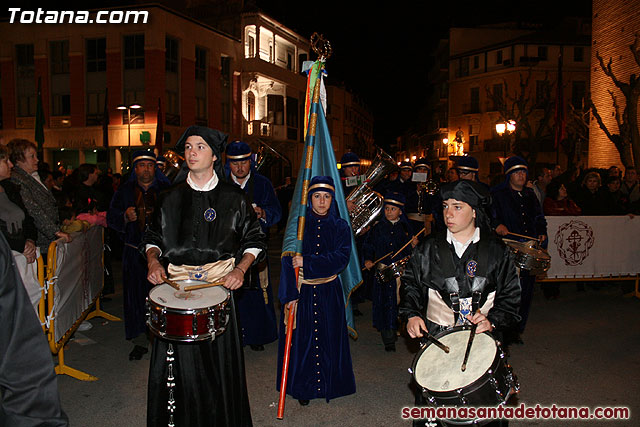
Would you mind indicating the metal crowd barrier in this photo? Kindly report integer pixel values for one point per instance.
(71, 292)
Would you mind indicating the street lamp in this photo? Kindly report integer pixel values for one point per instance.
(509, 128)
(134, 106)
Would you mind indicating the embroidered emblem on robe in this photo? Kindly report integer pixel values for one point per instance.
(209, 215)
(471, 268)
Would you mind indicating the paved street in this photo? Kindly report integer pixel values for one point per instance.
(580, 350)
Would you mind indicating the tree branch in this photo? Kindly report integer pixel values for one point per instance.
(607, 70)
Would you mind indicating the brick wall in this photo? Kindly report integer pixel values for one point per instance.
(614, 24)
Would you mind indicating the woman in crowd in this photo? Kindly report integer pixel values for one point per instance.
(615, 201)
(588, 197)
(16, 224)
(320, 359)
(557, 202)
(38, 200)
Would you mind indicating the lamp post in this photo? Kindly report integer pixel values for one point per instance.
(508, 127)
(134, 106)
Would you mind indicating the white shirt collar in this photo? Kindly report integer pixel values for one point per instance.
(210, 185)
(461, 247)
(233, 177)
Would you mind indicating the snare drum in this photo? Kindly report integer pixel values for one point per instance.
(391, 271)
(190, 316)
(487, 381)
(528, 257)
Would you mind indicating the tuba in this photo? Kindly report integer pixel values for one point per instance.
(369, 202)
(174, 162)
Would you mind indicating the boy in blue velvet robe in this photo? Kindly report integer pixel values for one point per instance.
(320, 359)
(383, 241)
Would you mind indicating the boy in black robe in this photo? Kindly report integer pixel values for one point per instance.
(202, 220)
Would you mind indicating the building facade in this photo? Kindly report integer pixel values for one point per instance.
(87, 70)
(491, 68)
(247, 84)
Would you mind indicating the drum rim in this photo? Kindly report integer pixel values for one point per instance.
(186, 338)
(494, 364)
(190, 310)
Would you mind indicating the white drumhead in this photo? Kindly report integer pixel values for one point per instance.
(440, 371)
(167, 296)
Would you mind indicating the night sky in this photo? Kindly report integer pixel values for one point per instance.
(381, 50)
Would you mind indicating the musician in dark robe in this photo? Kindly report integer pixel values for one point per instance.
(461, 276)
(28, 384)
(349, 170)
(516, 209)
(387, 237)
(255, 299)
(320, 359)
(421, 207)
(128, 215)
(205, 227)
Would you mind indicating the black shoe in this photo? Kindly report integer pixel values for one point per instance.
(390, 347)
(357, 312)
(303, 402)
(258, 347)
(137, 352)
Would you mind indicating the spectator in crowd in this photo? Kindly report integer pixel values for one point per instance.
(46, 177)
(15, 223)
(615, 203)
(630, 187)
(86, 197)
(557, 202)
(543, 178)
(38, 200)
(452, 175)
(614, 171)
(556, 171)
(588, 197)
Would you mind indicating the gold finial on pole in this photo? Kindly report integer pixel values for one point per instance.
(321, 46)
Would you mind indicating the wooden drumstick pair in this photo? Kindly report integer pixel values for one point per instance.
(192, 287)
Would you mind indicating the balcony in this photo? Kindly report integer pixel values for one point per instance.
(259, 128)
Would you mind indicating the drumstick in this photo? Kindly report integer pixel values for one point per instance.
(436, 342)
(468, 350)
(171, 283)
(378, 260)
(202, 286)
(407, 244)
(523, 236)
